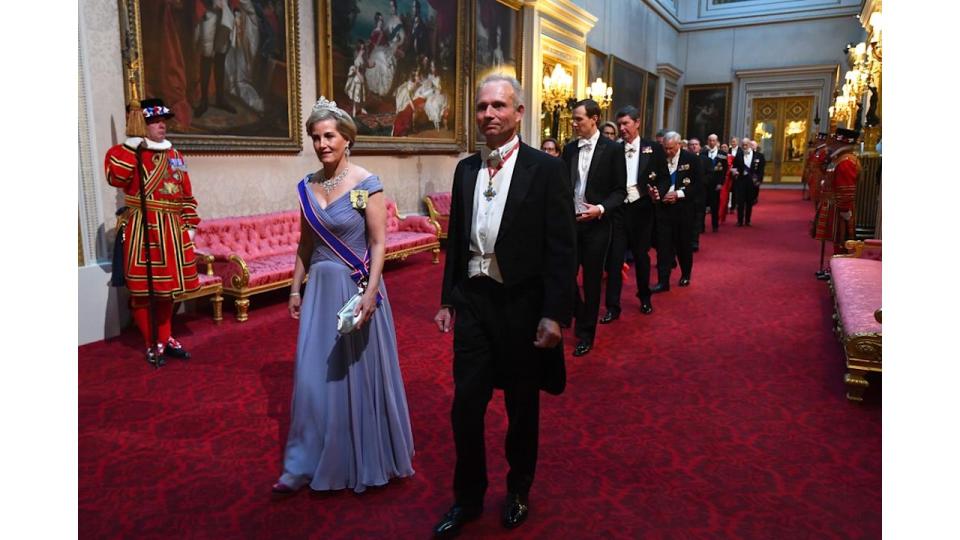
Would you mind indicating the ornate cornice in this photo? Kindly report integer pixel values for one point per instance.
(786, 71)
(669, 71)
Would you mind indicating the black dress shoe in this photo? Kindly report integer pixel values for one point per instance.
(582, 348)
(684, 282)
(659, 287)
(454, 519)
(176, 352)
(155, 359)
(646, 308)
(515, 510)
(609, 317)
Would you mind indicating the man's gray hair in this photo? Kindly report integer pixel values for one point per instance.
(672, 136)
(517, 90)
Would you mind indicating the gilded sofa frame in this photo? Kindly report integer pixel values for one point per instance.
(863, 350)
(214, 290)
(435, 216)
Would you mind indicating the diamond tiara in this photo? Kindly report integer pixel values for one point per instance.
(324, 104)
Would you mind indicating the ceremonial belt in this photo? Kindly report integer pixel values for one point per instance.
(361, 267)
(155, 205)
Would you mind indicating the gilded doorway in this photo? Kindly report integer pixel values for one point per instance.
(781, 127)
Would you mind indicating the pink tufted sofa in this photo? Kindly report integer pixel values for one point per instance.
(254, 254)
(409, 235)
(856, 283)
(438, 205)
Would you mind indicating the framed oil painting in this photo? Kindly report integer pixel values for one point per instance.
(497, 45)
(228, 69)
(650, 105)
(628, 85)
(597, 66)
(397, 67)
(706, 110)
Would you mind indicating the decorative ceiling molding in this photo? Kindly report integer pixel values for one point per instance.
(738, 14)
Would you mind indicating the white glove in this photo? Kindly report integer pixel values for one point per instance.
(191, 233)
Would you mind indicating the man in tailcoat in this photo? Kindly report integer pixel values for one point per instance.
(674, 212)
(748, 170)
(508, 286)
(700, 197)
(598, 174)
(714, 174)
(633, 220)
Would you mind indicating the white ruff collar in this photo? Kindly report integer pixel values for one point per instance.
(134, 142)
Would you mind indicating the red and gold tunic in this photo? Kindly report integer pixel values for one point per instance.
(171, 212)
(813, 171)
(838, 193)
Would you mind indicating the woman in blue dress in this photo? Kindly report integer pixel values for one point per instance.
(349, 426)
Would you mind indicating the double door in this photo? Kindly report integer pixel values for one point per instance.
(782, 127)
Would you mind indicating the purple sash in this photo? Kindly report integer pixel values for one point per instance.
(360, 267)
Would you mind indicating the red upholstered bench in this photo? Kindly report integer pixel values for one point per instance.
(254, 254)
(856, 283)
(409, 235)
(438, 205)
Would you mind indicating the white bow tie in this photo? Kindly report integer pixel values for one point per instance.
(494, 158)
(584, 142)
(629, 148)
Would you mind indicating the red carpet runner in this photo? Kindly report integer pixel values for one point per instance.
(722, 415)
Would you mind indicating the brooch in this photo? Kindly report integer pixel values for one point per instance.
(652, 175)
(358, 198)
(719, 167)
(684, 167)
(647, 150)
(686, 181)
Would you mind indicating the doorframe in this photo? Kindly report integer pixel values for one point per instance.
(812, 80)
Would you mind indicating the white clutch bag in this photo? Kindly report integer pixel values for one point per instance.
(346, 320)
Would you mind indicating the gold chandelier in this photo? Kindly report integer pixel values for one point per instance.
(557, 87)
(865, 59)
(600, 92)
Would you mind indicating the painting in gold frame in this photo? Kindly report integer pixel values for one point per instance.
(629, 83)
(598, 65)
(397, 66)
(498, 45)
(706, 110)
(231, 77)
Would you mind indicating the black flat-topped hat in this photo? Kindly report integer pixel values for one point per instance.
(155, 108)
(846, 135)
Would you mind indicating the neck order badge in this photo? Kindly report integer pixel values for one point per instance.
(495, 157)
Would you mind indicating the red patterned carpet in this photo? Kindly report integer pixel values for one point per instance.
(721, 416)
